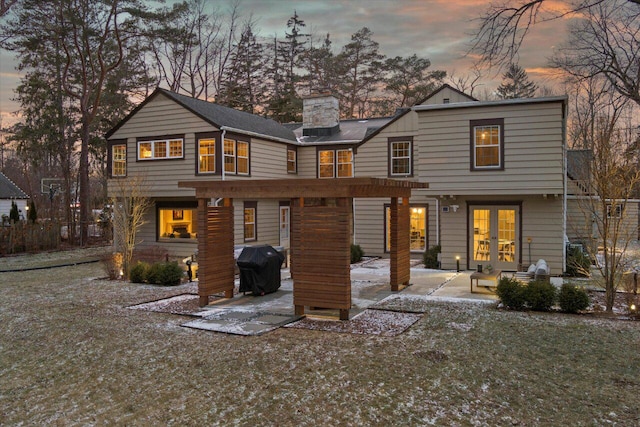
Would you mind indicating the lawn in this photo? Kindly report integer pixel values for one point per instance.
(71, 353)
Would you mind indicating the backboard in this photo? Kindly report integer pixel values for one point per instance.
(49, 185)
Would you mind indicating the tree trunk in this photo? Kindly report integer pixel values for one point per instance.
(84, 182)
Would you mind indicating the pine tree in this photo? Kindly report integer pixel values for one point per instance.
(516, 84)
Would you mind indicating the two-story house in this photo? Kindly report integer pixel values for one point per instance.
(496, 171)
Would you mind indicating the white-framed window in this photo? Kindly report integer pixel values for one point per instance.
(207, 155)
(335, 163)
(292, 160)
(119, 160)
(487, 145)
(400, 158)
(250, 221)
(236, 157)
(161, 149)
(614, 210)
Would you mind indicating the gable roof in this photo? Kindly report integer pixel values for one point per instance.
(222, 117)
(443, 87)
(9, 190)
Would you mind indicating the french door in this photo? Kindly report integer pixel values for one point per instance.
(494, 236)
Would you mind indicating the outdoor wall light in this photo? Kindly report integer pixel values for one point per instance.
(458, 263)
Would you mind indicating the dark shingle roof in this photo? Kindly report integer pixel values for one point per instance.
(221, 116)
(9, 190)
(351, 131)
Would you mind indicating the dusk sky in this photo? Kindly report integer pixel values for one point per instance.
(439, 30)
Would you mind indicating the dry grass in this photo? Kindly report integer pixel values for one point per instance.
(71, 353)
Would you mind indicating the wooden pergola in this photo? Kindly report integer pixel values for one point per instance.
(320, 234)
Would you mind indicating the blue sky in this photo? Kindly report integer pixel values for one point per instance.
(436, 29)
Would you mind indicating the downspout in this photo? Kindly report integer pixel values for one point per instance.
(353, 204)
(564, 190)
(437, 221)
(224, 131)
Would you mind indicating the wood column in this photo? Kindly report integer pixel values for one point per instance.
(400, 244)
(215, 250)
(320, 256)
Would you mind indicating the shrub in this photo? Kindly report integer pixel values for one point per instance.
(540, 295)
(165, 274)
(511, 293)
(430, 257)
(572, 298)
(356, 253)
(578, 263)
(139, 272)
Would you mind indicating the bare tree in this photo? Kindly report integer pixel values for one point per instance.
(605, 40)
(468, 83)
(130, 205)
(5, 5)
(609, 178)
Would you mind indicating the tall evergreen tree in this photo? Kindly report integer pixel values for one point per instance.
(409, 79)
(361, 72)
(243, 87)
(516, 84)
(320, 65)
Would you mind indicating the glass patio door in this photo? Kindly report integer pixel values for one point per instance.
(494, 237)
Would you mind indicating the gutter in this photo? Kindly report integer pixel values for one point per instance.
(257, 135)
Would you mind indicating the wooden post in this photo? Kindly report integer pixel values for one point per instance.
(400, 249)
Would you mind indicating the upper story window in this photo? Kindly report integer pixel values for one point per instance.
(207, 155)
(292, 160)
(236, 156)
(157, 149)
(335, 163)
(487, 144)
(400, 156)
(119, 160)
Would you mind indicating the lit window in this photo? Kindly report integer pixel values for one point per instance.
(236, 157)
(243, 158)
(332, 163)
(487, 145)
(160, 149)
(292, 166)
(119, 160)
(207, 156)
(177, 223)
(326, 167)
(345, 163)
(250, 229)
(417, 229)
(400, 157)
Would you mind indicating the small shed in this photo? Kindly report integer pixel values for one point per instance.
(321, 234)
(10, 192)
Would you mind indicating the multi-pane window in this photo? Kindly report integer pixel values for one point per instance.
(614, 211)
(400, 157)
(326, 164)
(486, 144)
(345, 163)
(236, 157)
(119, 160)
(161, 149)
(206, 156)
(335, 163)
(292, 166)
(250, 231)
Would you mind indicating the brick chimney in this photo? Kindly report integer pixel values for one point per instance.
(320, 115)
